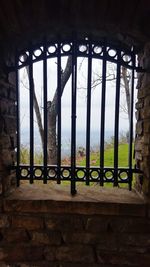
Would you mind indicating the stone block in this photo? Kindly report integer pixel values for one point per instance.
(145, 150)
(2, 124)
(138, 144)
(65, 222)
(71, 208)
(72, 264)
(139, 240)
(50, 253)
(19, 252)
(126, 259)
(139, 127)
(27, 222)
(15, 236)
(76, 253)
(10, 125)
(5, 142)
(4, 106)
(106, 240)
(147, 126)
(12, 93)
(113, 224)
(97, 224)
(3, 91)
(4, 221)
(137, 115)
(138, 156)
(45, 238)
(7, 157)
(12, 78)
(146, 113)
(146, 183)
(139, 104)
(42, 263)
(146, 139)
(147, 101)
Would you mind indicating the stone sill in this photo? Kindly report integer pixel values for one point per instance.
(89, 200)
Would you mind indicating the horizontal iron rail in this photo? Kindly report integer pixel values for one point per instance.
(108, 173)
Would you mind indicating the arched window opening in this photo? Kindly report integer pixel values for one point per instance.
(75, 113)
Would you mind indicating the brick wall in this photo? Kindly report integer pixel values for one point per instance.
(142, 142)
(49, 233)
(7, 129)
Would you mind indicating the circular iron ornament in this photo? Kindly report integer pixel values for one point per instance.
(24, 57)
(123, 175)
(38, 172)
(83, 48)
(38, 52)
(65, 173)
(126, 58)
(66, 48)
(97, 50)
(52, 49)
(24, 172)
(52, 173)
(80, 173)
(109, 175)
(95, 175)
(111, 52)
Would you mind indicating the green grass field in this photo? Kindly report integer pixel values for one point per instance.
(94, 160)
(109, 157)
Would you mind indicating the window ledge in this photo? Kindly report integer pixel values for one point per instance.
(88, 200)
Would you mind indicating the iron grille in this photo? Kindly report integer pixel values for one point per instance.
(71, 172)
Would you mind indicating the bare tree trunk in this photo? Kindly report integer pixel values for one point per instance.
(52, 138)
(52, 114)
(37, 111)
(127, 90)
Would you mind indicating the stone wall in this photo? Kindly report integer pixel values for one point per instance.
(7, 129)
(142, 142)
(46, 233)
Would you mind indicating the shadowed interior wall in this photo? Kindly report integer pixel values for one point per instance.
(51, 233)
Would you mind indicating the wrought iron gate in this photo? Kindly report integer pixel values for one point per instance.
(86, 48)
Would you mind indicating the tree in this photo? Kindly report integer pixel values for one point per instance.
(52, 110)
(51, 113)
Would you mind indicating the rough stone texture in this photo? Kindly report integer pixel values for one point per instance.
(7, 131)
(142, 142)
(60, 234)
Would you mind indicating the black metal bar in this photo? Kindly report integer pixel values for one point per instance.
(131, 125)
(73, 118)
(88, 118)
(18, 120)
(102, 132)
(59, 114)
(116, 130)
(45, 111)
(31, 101)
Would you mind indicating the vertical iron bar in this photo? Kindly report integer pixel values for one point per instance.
(18, 120)
(116, 130)
(73, 118)
(88, 118)
(59, 114)
(45, 110)
(102, 133)
(31, 92)
(131, 124)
